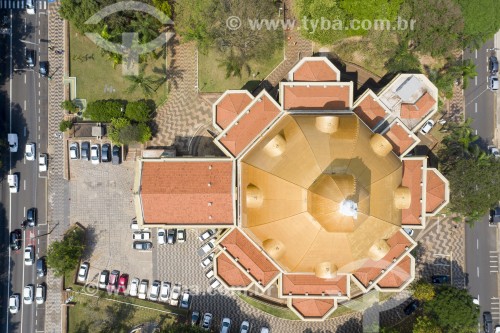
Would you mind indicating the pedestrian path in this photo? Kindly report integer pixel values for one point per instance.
(20, 4)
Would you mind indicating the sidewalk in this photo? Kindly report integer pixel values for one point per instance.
(496, 101)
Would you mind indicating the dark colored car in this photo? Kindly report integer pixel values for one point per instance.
(44, 68)
(122, 283)
(495, 215)
(85, 150)
(142, 245)
(30, 58)
(493, 65)
(195, 318)
(412, 307)
(113, 280)
(105, 151)
(117, 155)
(440, 279)
(41, 268)
(171, 236)
(31, 217)
(16, 238)
(487, 322)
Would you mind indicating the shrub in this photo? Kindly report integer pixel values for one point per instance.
(65, 125)
(138, 111)
(104, 111)
(69, 106)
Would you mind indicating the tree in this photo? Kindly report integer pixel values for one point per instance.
(63, 256)
(79, 11)
(424, 324)
(468, 72)
(103, 110)
(147, 83)
(69, 106)
(122, 131)
(192, 21)
(423, 290)
(138, 111)
(453, 309)
(65, 125)
(164, 6)
(403, 61)
(117, 125)
(481, 18)
(146, 26)
(181, 328)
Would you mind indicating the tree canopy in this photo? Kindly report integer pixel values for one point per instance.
(138, 111)
(124, 132)
(103, 110)
(425, 324)
(481, 18)
(423, 290)
(63, 256)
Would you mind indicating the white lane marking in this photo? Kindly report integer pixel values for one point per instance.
(25, 184)
(24, 78)
(476, 132)
(24, 105)
(475, 107)
(476, 53)
(24, 212)
(475, 80)
(477, 269)
(477, 243)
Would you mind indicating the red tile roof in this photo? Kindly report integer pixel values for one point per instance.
(250, 257)
(178, 192)
(230, 106)
(313, 308)
(398, 275)
(316, 97)
(399, 138)
(370, 111)
(315, 71)
(300, 284)
(230, 273)
(372, 269)
(435, 195)
(412, 177)
(419, 109)
(250, 125)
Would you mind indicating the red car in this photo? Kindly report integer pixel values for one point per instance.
(122, 283)
(113, 280)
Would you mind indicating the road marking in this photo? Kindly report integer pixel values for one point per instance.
(476, 53)
(475, 107)
(25, 184)
(477, 243)
(477, 271)
(476, 132)
(24, 78)
(475, 80)
(24, 212)
(24, 104)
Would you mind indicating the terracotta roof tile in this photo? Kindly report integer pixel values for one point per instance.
(230, 107)
(178, 192)
(316, 97)
(300, 284)
(412, 177)
(399, 138)
(398, 275)
(372, 269)
(250, 125)
(370, 111)
(418, 110)
(250, 257)
(230, 273)
(313, 308)
(435, 195)
(315, 71)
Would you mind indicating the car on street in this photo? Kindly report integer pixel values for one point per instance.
(44, 68)
(29, 255)
(41, 267)
(105, 153)
(74, 151)
(493, 83)
(427, 127)
(497, 329)
(412, 307)
(83, 271)
(29, 151)
(171, 236)
(141, 235)
(440, 279)
(214, 284)
(174, 296)
(103, 279)
(116, 156)
(16, 239)
(134, 286)
(28, 295)
(161, 236)
(494, 215)
(30, 58)
(94, 154)
(185, 300)
(31, 217)
(155, 290)
(13, 140)
(143, 289)
(164, 291)
(245, 327)
(14, 303)
(30, 7)
(113, 281)
(493, 64)
(142, 245)
(207, 321)
(85, 152)
(181, 235)
(208, 260)
(122, 283)
(206, 235)
(42, 162)
(13, 181)
(225, 325)
(40, 293)
(487, 322)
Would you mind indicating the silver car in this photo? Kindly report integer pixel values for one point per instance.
(155, 290)
(134, 286)
(74, 151)
(95, 154)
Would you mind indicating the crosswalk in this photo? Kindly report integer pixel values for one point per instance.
(494, 262)
(495, 308)
(20, 4)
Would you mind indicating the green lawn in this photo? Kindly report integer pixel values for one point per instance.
(95, 77)
(212, 77)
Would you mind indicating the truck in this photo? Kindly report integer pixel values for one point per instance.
(13, 183)
(13, 142)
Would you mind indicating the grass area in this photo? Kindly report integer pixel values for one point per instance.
(284, 313)
(212, 77)
(97, 79)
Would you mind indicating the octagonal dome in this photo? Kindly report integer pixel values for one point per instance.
(320, 189)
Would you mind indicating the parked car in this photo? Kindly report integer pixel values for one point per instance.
(16, 239)
(142, 245)
(95, 154)
(31, 217)
(493, 65)
(103, 279)
(487, 322)
(30, 58)
(427, 127)
(176, 293)
(40, 293)
(207, 321)
(185, 300)
(208, 260)
(164, 291)
(409, 231)
(214, 284)
(155, 290)
(41, 267)
(44, 68)
(29, 255)
(134, 286)
(206, 235)
(171, 236)
(134, 225)
(142, 235)
(210, 274)
(195, 318)
(105, 153)
(29, 151)
(410, 308)
(122, 283)
(143, 289)
(245, 327)
(14, 303)
(85, 150)
(116, 157)
(13, 181)
(493, 83)
(225, 325)
(74, 151)
(440, 279)
(161, 236)
(205, 249)
(42, 162)
(83, 272)
(181, 235)
(28, 294)
(264, 330)
(113, 281)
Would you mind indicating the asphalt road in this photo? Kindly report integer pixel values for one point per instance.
(24, 111)
(482, 259)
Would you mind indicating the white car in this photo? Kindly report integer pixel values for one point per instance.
(185, 300)
(134, 286)
(245, 327)
(29, 151)
(42, 162)
(30, 7)
(74, 151)
(427, 127)
(103, 279)
(210, 274)
(29, 255)
(28, 294)
(206, 235)
(208, 260)
(206, 248)
(40, 294)
(176, 293)
(141, 235)
(264, 330)
(161, 236)
(181, 235)
(165, 291)
(409, 231)
(493, 83)
(225, 325)
(155, 290)
(95, 154)
(13, 182)
(14, 303)
(143, 289)
(215, 284)
(83, 272)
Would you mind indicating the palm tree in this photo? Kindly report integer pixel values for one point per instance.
(468, 72)
(146, 26)
(147, 83)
